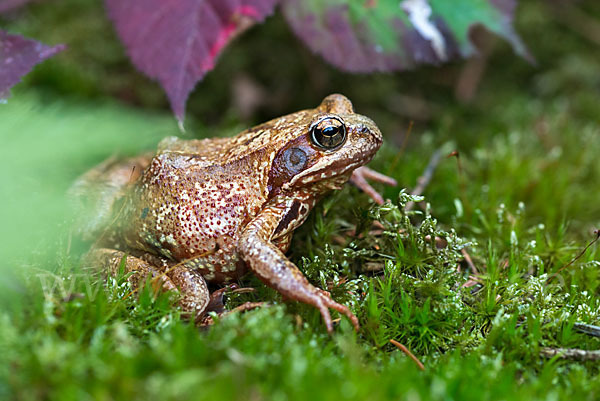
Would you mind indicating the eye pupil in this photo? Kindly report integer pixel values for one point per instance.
(328, 133)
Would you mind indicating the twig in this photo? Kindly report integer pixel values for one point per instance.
(402, 147)
(455, 153)
(243, 290)
(405, 139)
(207, 319)
(597, 232)
(249, 306)
(373, 266)
(588, 329)
(474, 68)
(407, 352)
(581, 23)
(425, 179)
(469, 261)
(571, 353)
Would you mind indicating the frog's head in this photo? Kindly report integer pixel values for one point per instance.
(332, 141)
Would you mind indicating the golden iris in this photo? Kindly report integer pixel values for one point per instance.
(329, 133)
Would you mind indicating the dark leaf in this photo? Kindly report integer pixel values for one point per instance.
(177, 41)
(18, 55)
(386, 35)
(9, 5)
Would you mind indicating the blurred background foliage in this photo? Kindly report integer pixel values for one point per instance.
(75, 109)
(267, 72)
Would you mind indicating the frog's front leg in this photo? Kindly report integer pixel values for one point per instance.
(267, 261)
(171, 277)
(359, 178)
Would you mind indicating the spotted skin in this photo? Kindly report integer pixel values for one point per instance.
(209, 210)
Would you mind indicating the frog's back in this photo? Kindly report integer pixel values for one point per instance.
(193, 200)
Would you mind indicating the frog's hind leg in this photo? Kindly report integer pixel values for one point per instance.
(99, 188)
(189, 284)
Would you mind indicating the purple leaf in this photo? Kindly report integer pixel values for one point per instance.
(177, 41)
(18, 55)
(386, 35)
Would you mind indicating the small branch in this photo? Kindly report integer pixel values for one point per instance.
(402, 147)
(424, 180)
(243, 290)
(579, 22)
(249, 306)
(473, 70)
(405, 139)
(407, 352)
(571, 353)
(597, 232)
(469, 261)
(588, 329)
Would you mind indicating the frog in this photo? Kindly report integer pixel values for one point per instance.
(207, 211)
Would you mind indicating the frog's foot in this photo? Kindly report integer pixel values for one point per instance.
(278, 273)
(217, 305)
(322, 301)
(362, 174)
(111, 260)
(189, 284)
(269, 264)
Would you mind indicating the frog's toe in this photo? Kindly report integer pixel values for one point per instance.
(326, 316)
(371, 174)
(346, 311)
(325, 302)
(207, 320)
(362, 174)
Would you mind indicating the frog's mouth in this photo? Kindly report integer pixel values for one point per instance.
(333, 173)
(331, 168)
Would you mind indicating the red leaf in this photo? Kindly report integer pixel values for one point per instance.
(177, 41)
(18, 55)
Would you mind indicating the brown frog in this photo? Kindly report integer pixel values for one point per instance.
(208, 210)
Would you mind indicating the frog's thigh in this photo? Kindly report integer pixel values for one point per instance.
(110, 260)
(191, 285)
(116, 172)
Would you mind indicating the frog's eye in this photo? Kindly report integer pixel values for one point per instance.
(328, 133)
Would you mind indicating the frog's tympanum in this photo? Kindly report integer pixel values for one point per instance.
(209, 210)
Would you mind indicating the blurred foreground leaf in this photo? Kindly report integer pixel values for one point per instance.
(45, 146)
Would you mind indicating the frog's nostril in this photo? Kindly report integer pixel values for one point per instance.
(364, 129)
